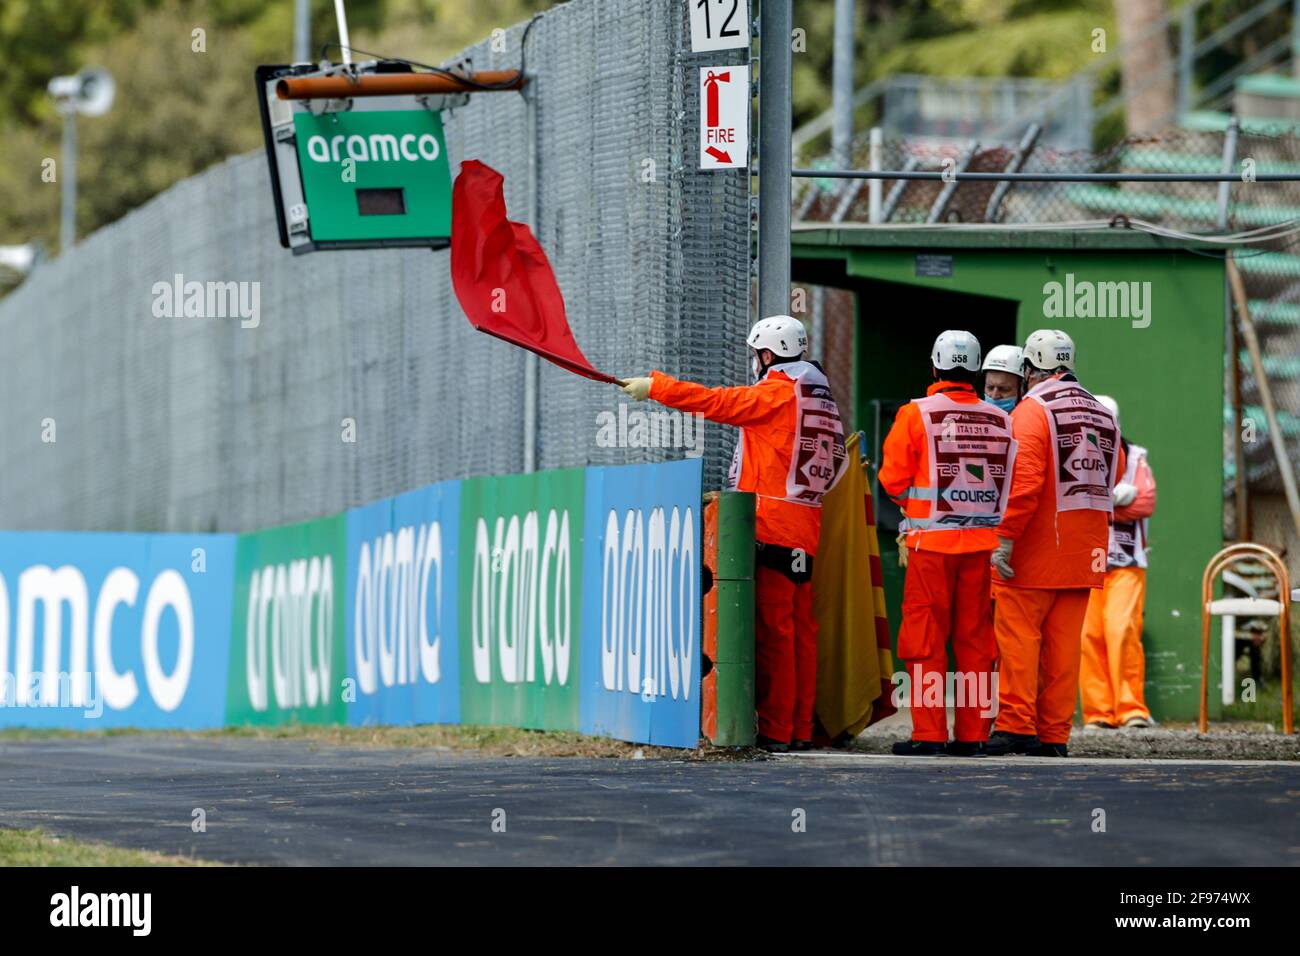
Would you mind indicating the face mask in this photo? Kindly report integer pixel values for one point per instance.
(1006, 404)
(755, 367)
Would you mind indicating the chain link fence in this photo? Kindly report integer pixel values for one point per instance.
(117, 419)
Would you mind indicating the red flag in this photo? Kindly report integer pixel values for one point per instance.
(501, 274)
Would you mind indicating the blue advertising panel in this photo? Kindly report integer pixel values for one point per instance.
(401, 614)
(641, 603)
(114, 630)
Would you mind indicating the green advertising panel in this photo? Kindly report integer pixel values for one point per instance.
(378, 174)
(287, 651)
(520, 585)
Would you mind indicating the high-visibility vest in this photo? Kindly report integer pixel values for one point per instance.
(818, 455)
(1127, 546)
(970, 452)
(1084, 438)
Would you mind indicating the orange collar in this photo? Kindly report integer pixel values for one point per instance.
(943, 385)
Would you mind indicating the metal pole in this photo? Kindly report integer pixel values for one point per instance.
(68, 214)
(301, 31)
(774, 129)
(1186, 40)
(842, 84)
(1241, 524)
(532, 370)
(875, 187)
(341, 16)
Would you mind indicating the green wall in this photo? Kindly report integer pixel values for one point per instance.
(1166, 376)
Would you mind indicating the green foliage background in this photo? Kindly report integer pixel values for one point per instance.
(177, 111)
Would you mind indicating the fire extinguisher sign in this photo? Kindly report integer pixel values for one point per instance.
(724, 117)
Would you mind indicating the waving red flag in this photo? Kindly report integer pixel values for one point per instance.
(502, 277)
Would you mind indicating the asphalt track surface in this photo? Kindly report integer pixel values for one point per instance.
(298, 802)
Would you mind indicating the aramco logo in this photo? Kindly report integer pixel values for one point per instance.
(375, 148)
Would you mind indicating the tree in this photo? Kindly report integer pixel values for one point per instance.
(1146, 65)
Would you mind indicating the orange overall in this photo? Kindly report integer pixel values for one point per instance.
(945, 592)
(785, 672)
(1058, 556)
(1112, 668)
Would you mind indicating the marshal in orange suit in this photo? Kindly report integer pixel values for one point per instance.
(946, 461)
(1112, 668)
(790, 451)
(1051, 549)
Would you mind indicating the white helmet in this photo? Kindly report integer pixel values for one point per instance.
(783, 334)
(1005, 358)
(954, 348)
(1110, 405)
(1049, 349)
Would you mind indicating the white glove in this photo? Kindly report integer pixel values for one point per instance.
(1124, 494)
(1001, 559)
(638, 388)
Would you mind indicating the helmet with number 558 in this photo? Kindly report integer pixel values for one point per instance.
(956, 349)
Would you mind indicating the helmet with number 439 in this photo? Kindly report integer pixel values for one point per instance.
(1049, 349)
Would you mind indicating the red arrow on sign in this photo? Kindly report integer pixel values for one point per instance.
(720, 155)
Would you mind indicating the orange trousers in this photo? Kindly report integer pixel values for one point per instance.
(785, 656)
(946, 596)
(1112, 668)
(1038, 633)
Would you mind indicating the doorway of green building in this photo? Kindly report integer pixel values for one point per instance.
(896, 328)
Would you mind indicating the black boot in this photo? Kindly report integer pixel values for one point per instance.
(964, 748)
(1048, 750)
(918, 748)
(771, 745)
(800, 746)
(1001, 743)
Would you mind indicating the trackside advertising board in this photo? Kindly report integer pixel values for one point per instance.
(114, 630)
(641, 608)
(402, 605)
(564, 600)
(286, 644)
(521, 597)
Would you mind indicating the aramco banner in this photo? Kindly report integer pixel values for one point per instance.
(640, 663)
(114, 630)
(563, 600)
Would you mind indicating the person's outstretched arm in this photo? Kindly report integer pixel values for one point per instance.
(740, 405)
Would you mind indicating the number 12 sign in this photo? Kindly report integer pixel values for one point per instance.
(719, 24)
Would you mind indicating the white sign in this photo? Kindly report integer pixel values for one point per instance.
(724, 117)
(719, 24)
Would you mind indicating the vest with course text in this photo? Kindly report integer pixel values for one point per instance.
(1127, 547)
(971, 451)
(818, 453)
(1085, 444)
